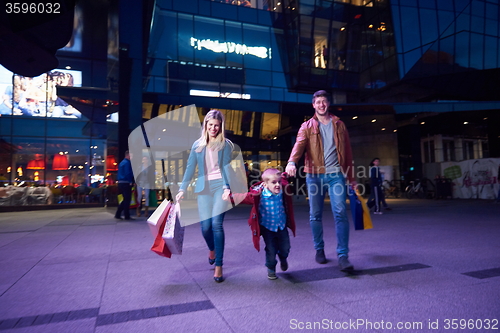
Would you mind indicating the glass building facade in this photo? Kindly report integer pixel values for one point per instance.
(386, 63)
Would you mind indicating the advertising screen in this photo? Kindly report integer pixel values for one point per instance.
(37, 96)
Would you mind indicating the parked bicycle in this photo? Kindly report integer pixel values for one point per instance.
(415, 189)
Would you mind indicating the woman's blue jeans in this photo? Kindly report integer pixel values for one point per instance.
(211, 210)
(317, 187)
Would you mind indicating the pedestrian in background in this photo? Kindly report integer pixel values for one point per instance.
(125, 182)
(377, 197)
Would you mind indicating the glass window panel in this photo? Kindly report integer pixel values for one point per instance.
(428, 26)
(477, 24)
(447, 45)
(279, 80)
(492, 11)
(270, 126)
(446, 23)
(398, 33)
(462, 49)
(186, 51)
(490, 53)
(257, 92)
(290, 97)
(409, 20)
(262, 78)
(277, 38)
(28, 149)
(411, 58)
(69, 128)
(29, 126)
(445, 5)
(427, 4)
(257, 38)
(158, 67)
(277, 94)
(234, 34)
(306, 7)
(491, 27)
(408, 3)
(208, 29)
(463, 23)
(162, 85)
(164, 28)
(462, 6)
(247, 15)
(476, 57)
(478, 8)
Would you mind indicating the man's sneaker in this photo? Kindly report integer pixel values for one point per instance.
(271, 275)
(284, 265)
(344, 264)
(320, 256)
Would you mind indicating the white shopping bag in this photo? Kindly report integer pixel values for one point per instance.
(158, 216)
(173, 234)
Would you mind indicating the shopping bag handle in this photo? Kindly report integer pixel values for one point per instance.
(177, 207)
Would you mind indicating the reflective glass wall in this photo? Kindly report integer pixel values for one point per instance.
(196, 55)
(448, 49)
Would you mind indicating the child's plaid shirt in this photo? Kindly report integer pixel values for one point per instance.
(271, 211)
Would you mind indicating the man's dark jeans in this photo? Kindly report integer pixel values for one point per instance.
(125, 189)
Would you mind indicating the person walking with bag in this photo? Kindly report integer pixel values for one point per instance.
(125, 182)
(377, 197)
(328, 161)
(210, 153)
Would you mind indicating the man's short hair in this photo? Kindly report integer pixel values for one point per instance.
(321, 93)
(270, 172)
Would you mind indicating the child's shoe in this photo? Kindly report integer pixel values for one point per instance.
(271, 275)
(284, 265)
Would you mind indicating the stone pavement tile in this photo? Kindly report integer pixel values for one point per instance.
(35, 245)
(10, 237)
(55, 288)
(350, 289)
(479, 301)
(427, 281)
(12, 271)
(243, 288)
(25, 221)
(463, 258)
(140, 284)
(83, 244)
(409, 308)
(308, 315)
(132, 241)
(74, 326)
(193, 322)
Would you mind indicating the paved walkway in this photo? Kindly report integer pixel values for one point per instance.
(426, 264)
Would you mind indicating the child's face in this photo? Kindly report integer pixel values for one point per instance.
(273, 184)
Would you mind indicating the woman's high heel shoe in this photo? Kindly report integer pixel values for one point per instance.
(218, 279)
(211, 261)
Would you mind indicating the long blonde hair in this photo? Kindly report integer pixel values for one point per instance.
(220, 140)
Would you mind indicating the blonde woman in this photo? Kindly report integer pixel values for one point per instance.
(211, 152)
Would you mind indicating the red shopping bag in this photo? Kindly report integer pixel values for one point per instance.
(159, 246)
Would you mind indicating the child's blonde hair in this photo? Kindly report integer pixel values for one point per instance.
(266, 175)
